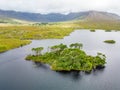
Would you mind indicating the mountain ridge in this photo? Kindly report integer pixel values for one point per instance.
(94, 16)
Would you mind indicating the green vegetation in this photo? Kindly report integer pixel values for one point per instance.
(63, 58)
(110, 41)
(16, 36)
(92, 30)
(37, 50)
(7, 44)
(35, 32)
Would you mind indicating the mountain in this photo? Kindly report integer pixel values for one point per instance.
(94, 16)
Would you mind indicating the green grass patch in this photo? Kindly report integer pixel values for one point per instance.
(7, 44)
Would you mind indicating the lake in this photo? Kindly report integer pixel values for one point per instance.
(18, 74)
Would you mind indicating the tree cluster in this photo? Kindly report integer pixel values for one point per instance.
(63, 58)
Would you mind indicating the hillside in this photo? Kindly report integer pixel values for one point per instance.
(6, 20)
(12, 21)
(96, 16)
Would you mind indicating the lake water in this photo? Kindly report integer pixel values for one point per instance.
(18, 74)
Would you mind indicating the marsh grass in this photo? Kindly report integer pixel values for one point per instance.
(15, 35)
(7, 44)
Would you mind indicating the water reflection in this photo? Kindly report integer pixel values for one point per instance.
(97, 71)
(40, 65)
(74, 75)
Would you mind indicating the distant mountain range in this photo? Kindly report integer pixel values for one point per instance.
(94, 16)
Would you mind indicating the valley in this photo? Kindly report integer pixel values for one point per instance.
(18, 35)
(59, 44)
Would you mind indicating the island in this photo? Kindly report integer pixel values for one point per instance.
(92, 30)
(110, 41)
(72, 58)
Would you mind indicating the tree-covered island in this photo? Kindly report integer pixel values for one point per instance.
(63, 58)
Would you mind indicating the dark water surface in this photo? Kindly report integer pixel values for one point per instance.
(18, 74)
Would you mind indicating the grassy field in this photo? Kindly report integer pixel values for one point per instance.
(20, 34)
(34, 32)
(93, 25)
(15, 36)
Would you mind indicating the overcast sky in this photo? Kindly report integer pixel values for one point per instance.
(60, 6)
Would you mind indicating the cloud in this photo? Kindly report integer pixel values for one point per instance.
(60, 6)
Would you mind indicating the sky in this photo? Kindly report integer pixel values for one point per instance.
(60, 6)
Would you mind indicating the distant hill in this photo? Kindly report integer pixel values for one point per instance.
(5, 20)
(94, 16)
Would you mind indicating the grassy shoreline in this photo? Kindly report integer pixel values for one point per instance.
(7, 44)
